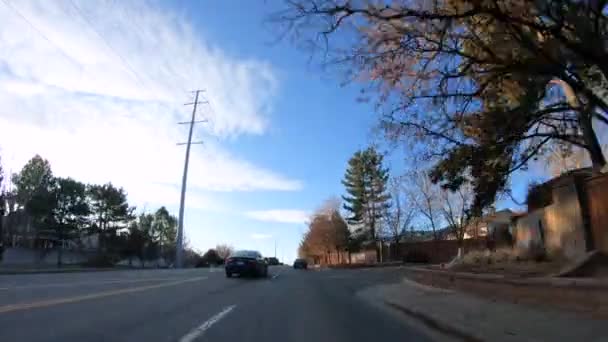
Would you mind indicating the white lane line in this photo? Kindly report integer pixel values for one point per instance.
(275, 276)
(200, 330)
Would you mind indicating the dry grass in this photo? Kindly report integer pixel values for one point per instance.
(507, 261)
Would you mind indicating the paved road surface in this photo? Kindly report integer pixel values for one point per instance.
(198, 305)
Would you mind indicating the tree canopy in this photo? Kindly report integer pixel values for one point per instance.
(34, 180)
(365, 183)
(64, 209)
(327, 232)
(224, 250)
(69, 210)
(478, 88)
(109, 207)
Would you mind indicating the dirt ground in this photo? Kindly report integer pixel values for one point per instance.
(514, 269)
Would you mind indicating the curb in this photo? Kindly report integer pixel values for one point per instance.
(435, 324)
(360, 266)
(588, 283)
(584, 296)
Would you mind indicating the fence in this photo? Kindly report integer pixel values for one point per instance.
(596, 189)
(440, 251)
(435, 252)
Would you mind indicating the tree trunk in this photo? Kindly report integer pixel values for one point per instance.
(598, 161)
(60, 253)
(395, 250)
(460, 246)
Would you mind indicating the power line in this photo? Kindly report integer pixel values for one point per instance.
(109, 46)
(18, 13)
(140, 30)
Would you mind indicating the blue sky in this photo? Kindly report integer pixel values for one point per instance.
(315, 124)
(96, 88)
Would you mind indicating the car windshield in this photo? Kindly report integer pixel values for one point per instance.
(245, 254)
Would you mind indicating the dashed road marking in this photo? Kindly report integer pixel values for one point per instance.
(58, 301)
(200, 330)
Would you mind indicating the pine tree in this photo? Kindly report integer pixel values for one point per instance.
(366, 185)
(355, 187)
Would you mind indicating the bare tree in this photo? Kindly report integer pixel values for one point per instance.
(455, 210)
(476, 87)
(224, 250)
(401, 214)
(425, 197)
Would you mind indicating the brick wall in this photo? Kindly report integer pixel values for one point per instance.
(597, 197)
(441, 251)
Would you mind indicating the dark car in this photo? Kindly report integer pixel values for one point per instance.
(272, 261)
(300, 263)
(246, 263)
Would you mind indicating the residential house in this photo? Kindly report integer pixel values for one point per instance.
(566, 215)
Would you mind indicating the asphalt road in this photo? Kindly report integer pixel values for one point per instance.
(199, 305)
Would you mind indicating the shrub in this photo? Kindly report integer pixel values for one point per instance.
(499, 256)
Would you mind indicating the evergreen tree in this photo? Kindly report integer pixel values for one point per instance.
(366, 185)
(34, 181)
(69, 211)
(110, 210)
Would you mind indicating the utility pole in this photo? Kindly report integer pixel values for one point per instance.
(180, 225)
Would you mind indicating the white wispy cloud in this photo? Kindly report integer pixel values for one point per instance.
(279, 215)
(261, 236)
(105, 109)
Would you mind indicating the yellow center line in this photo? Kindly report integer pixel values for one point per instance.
(58, 301)
(75, 284)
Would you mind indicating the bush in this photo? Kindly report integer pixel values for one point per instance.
(499, 256)
(503, 256)
(417, 257)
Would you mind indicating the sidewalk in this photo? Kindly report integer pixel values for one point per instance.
(470, 318)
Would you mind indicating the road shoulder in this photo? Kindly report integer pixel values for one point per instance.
(469, 318)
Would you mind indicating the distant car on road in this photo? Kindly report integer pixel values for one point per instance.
(300, 263)
(246, 263)
(272, 261)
